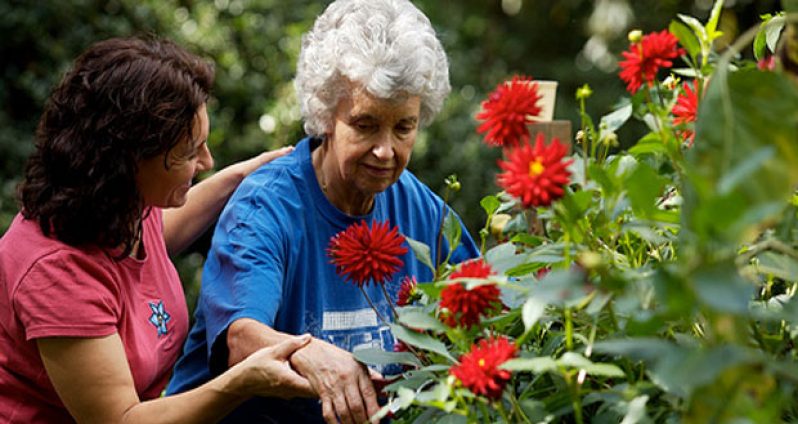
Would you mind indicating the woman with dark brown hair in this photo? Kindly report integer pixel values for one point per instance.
(92, 314)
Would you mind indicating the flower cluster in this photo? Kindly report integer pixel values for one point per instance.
(362, 254)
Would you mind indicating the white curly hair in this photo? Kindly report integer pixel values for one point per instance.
(387, 47)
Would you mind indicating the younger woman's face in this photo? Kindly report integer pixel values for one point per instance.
(168, 188)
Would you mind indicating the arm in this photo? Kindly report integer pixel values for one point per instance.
(343, 385)
(93, 380)
(205, 200)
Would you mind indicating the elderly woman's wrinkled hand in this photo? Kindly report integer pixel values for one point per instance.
(344, 385)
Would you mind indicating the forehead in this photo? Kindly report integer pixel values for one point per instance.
(361, 102)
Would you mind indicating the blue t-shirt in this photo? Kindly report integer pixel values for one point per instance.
(268, 262)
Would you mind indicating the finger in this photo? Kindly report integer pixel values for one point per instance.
(374, 375)
(342, 408)
(368, 393)
(274, 154)
(297, 386)
(328, 412)
(285, 348)
(354, 401)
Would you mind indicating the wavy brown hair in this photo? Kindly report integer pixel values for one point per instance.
(124, 100)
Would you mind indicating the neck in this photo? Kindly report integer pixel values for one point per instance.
(341, 195)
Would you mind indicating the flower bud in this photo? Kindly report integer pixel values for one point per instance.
(497, 224)
(610, 139)
(452, 183)
(635, 36)
(580, 137)
(590, 260)
(583, 92)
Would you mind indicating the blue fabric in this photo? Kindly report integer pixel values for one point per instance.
(268, 262)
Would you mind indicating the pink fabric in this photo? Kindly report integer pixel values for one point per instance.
(49, 289)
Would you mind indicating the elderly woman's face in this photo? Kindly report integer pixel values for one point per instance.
(168, 188)
(372, 140)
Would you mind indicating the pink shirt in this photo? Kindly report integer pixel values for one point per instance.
(50, 289)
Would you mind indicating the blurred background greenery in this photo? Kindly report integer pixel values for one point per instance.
(255, 43)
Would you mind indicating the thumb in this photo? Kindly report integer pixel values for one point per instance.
(285, 348)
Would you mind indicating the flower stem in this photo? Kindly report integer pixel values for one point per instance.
(502, 411)
(390, 302)
(569, 330)
(576, 401)
(368, 299)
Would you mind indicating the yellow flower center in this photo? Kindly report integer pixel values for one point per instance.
(481, 362)
(536, 168)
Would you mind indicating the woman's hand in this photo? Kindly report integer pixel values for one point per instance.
(205, 201)
(267, 372)
(246, 167)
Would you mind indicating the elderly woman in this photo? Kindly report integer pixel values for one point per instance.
(370, 73)
(92, 314)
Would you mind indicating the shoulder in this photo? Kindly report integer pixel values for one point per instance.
(24, 247)
(273, 193)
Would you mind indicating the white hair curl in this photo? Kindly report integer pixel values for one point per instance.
(387, 47)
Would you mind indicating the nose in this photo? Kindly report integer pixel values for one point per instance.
(383, 149)
(205, 161)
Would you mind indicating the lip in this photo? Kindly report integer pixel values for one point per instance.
(379, 171)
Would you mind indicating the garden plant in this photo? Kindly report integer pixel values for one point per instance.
(654, 283)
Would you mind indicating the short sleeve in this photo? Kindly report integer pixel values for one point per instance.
(67, 294)
(245, 269)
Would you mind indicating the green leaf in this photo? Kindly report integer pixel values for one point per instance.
(721, 287)
(778, 265)
(636, 412)
(452, 230)
(377, 356)
(503, 257)
(644, 186)
(695, 25)
(760, 42)
(490, 204)
(575, 360)
(773, 31)
(535, 365)
(432, 290)
(686, 38)
(531, 312)
(651, 143)
(422, 252)
(714, 17)
(617, 118)
(421, 341)
(419, 320)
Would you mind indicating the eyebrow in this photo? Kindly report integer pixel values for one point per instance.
(354, 118)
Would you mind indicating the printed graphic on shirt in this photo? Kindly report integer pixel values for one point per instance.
(355, 330)
(159, 317)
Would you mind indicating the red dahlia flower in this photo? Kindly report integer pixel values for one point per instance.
(536, 175)
(464, 307)
(644, 59)
(509, 108)
(362, 254)
(407, 291)
(684, 111)
(479, 369)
